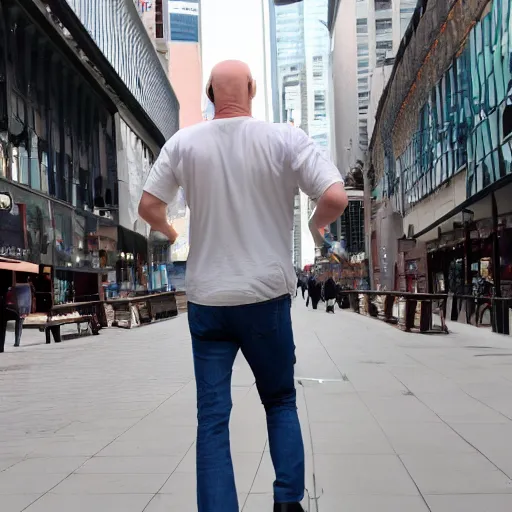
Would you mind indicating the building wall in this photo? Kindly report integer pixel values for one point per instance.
(185, 74)
(132, 55)
(236, 30)
(443, 132)
(378, 83)
(344, 73)
(436, 206)
(74, 170)
(367, 35)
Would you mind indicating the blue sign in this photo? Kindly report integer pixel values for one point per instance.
(184, 20)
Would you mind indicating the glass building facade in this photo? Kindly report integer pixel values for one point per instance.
(466, 123)
(302, 68)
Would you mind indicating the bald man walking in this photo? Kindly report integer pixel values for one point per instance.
(240, 177)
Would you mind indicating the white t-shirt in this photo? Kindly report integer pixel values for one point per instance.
(240, 177)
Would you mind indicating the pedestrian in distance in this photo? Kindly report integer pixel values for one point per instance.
(240, 178)
(330, 294)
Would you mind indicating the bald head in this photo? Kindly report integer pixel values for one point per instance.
(231, 88)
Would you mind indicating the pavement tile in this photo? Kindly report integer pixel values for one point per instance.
(425, 438)
(470, 503)
(342, 438)
(259, 502)
(465, 473)
(183, 483)
(398, 408)
(17, 502)
(47, 465)
(179, 503)
(15, 483)
(363, 475)
(130, 465)
(337, 409)
(332, 502)
(111, 483)
(458, 407)
(87, 503)
(493, 440)
(7, 462)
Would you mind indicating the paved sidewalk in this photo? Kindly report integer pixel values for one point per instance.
(393, 422)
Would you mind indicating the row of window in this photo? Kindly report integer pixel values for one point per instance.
(57, 135)
(467, 120)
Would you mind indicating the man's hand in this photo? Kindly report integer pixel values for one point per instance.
(324, 251)
(154, 212)
(330, 206)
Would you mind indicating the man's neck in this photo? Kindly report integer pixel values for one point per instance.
(230, 112)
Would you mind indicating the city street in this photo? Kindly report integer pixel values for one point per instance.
(391, 421)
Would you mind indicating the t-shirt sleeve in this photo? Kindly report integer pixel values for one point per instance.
(315, 172)
(162, 182)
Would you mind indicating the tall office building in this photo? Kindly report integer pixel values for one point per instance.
(155, 16)
(185, 70)
(301, 77)
(366, 35)
(185, 73)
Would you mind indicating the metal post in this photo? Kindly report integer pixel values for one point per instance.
(500, 322)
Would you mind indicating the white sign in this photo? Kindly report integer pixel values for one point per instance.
(180, 7)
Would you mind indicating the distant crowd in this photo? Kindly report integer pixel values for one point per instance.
(321, 288)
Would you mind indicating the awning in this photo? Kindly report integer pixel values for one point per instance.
(18, 266)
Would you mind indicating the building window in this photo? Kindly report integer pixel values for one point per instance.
(363, 63)
(159, 19)
(362, 49)
(383, 26)
(384, 45)
(362, 26)
(382, 5)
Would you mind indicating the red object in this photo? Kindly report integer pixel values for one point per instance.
(10, 298)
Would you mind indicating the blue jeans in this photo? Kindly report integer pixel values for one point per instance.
(263, 332)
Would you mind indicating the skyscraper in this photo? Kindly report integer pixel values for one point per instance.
(366, 35)
(185, 73)
(301, 75)
(155, 16)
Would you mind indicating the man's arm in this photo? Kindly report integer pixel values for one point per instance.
(160, 189)
(319, 178)
(330, 206)
(154, 212)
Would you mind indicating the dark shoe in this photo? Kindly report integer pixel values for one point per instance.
(288, 507)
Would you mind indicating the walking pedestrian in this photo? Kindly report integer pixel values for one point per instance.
(240, 178)
(330, 294)
(304, 285)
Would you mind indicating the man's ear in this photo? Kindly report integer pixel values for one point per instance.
(252, 89)
(209, 91)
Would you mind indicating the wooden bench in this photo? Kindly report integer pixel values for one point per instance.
(52, 326)
(144, 309)
(380, 304)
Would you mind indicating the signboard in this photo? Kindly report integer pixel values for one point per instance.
(184, 7)
(184, 20)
